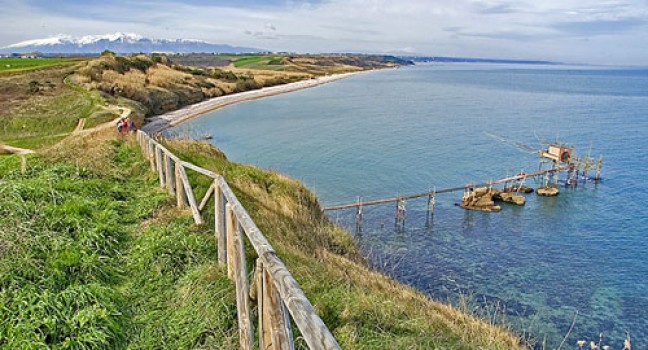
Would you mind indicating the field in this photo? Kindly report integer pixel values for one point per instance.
(259, 62)
(37, 108)
(24, 64)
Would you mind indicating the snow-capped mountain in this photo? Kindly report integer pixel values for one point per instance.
(120, 43)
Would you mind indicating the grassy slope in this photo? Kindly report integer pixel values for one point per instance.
(38, 108)
(101, 259)
(365, 310)
(92, 256)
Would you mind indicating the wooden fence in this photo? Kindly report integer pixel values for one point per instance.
(279, 298)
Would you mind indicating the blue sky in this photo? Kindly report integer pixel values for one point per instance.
(580, 31)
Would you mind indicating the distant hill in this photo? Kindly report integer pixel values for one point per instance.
(471, 60)
(121, 43)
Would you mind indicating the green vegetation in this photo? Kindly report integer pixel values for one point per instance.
(363, 309)
(78, 269)
(41, 107)
(258, 61)
(47, 120)
(24, 64)
(93, 254)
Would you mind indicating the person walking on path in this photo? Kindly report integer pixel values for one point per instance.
(131, 126)
(120, 126)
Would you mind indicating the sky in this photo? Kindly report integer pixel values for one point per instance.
(571, 31)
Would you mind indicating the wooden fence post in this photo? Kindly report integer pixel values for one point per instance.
(160, 166)
(151, 153)
(219, 224)
(181, 200)
(230, 225)
(168, 164)
(264, 339)
(274, 321)
(246, 328)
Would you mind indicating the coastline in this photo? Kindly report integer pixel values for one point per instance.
(164, 121)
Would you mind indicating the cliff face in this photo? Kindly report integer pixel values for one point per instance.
(161, 86)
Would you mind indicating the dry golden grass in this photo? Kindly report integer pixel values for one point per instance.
(166, 77)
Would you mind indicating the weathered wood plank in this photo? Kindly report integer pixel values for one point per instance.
(168, 164)
(190, 197)
(311, 326)
(181, 200)
(160, 166)
(219, 224)
(206, 197)
(199, 169)
(150, 153)
(264, 338)
(230, 225)
(246, 328)
(277, 320)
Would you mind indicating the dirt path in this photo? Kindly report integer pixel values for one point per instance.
(124, 112)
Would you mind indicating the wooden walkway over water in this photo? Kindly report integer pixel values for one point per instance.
(446, 190)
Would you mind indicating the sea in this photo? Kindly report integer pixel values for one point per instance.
(560, 269)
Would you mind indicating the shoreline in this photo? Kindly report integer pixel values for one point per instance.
(167, 120)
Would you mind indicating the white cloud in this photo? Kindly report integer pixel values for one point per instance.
(577, 30)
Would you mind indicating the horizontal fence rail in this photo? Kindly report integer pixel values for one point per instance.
(278, 297)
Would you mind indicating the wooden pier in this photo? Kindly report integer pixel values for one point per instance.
(557, 157)
(445, 190)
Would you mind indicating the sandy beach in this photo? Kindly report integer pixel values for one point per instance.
(161, 122)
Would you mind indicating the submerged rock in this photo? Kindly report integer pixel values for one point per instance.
(547, 191)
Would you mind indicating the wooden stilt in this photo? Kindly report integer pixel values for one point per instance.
(359, 216)
(431, 203)
(400, 214)
(599, 165)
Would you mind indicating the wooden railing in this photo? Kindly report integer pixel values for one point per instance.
(278, 296)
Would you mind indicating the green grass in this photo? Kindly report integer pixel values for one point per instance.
(46, 119)
(100, 258)
(99, 117)
(78, 270)
(24, 64)
(34, 142)
(363, 309)
(255, 61)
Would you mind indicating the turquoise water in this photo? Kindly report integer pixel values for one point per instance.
(403, 131)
